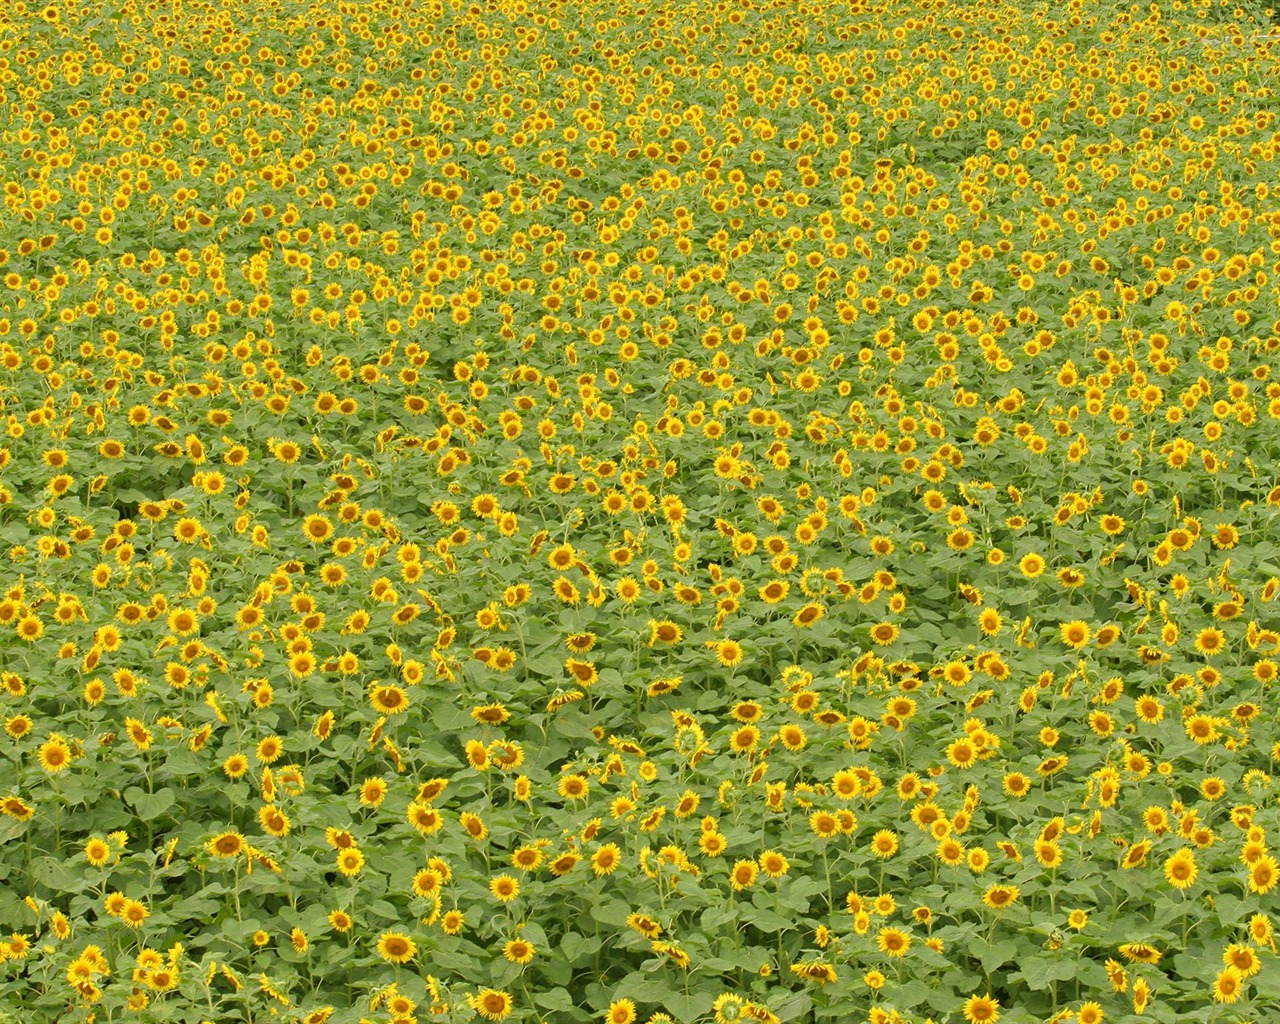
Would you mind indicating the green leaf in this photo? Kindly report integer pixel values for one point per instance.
(612, 912)
(769, 920)
(55, 874)
(11, 828)
(452, 960)
(795, 1006)
(555, 999)
(502, 973)
(1231, 909)
(149, 805)
(993, 955)
(714, 917)
(688, 1008)
(655, 988)
(197, 907)
(914, 993)
(1267, 980)
(574, 946)
(1039, 972)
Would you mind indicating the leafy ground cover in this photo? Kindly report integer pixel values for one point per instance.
(633, 511)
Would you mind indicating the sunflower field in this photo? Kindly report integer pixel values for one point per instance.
(609, 510)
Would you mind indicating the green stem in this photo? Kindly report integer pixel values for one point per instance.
(826, 870)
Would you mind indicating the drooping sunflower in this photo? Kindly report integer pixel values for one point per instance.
(1140, 953)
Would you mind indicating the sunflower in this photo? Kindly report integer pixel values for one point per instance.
(620, 1011)
(884, 843)
(884, 633)
(893, 942)
(1225, 536)
(350, 862)
(713, 844)
(491, 1004)
(1075, 634)
(54, 755)
(563, 864)
(1228, 986)
(473, 825)
(981, 1009)
(956, 672)
(774, 591)
(1140, 953)
(664, 631)
(1031, 565)
(808, 615)
(606, 859)
(518, 951)
(1243, 958)
(97, 852)
(427, 883)
(396, 947)
(774, 864)
(1048, 853)
(372, 792)
(744, 739)
(729, 653)
(224, 845)
(1211, 641)
(822, 973)
(274, 821)
(743, 875)
(1180, 869)
(645, 925)
(1202, 728)
(1263, 874)
(1112, 525)
(962, 753)
(951, 851)
(1141, 995)
(270, 750)
(114, 904)
(388, 699)
(1000, 897)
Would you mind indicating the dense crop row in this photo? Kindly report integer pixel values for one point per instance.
(563, 511)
